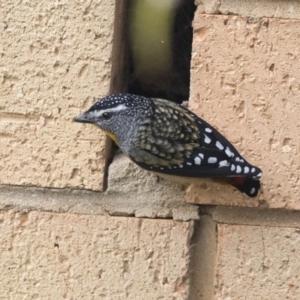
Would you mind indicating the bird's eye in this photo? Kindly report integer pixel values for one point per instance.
(107, 115)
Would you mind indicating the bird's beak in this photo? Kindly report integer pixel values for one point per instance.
(83, 118)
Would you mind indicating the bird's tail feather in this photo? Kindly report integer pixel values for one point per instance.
(247, 186)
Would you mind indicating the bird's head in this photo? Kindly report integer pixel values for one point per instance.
(118, 115)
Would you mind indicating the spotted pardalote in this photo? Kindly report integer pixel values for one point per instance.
(171, 141)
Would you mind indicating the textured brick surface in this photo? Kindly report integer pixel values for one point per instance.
(203, 259)
(245, 81)
(55, 60)
(256, 263)
(134, 191)
(65, 256)
(253, 216)
(131, 191)
(251, 8)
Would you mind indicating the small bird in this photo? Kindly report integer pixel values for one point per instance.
(166, 138)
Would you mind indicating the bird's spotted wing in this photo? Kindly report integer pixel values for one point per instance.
(182, 144)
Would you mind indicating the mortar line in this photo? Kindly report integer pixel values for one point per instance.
(203, 259)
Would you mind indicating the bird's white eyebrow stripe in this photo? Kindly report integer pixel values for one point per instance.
(99, 113)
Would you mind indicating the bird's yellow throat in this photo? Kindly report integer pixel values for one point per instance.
(112, 136)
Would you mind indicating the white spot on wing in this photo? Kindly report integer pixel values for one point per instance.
(228, 152)
(197, 160)
(208, 130)
(219, 145)
(246, 170)
(189, 163)
(207, 140)
(238, 169)
(232, 168)
(252, 191)
(212, 160)
(201, 155)
(239, 159)
(253, 170)
(223, 163)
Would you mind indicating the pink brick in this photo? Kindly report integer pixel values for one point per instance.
(55, 61)
(245, 81)
(257, 263)
(68, 256)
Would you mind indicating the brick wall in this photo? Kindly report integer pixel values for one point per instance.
(62, 237)
(245, 81)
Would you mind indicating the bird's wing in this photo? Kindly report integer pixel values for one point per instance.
(185, 145)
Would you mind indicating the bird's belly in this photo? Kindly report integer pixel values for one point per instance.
(183, 180)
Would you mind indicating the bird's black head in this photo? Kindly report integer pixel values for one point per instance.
(116, 114)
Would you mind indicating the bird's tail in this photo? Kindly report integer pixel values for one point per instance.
(247, 186)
